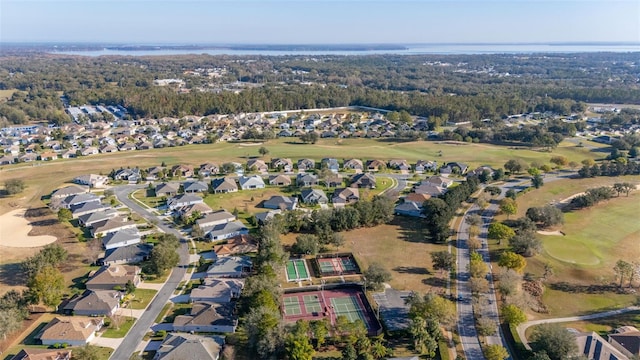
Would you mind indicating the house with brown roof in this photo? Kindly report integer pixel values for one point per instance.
(166, 189)
(279, 180)
(241, 244)
(208, 169)
(224, 185)
(282, 164)
(182, 171)
(43, 354)
(207, 317)
(345, 196)
(363, 180)
(94, 303)
(215, 218)
(257, 165)
(306, 164)
(113, 276)
(375, 165)
(104, 227)
(398, 164)
(72, 330)
(353, 164)
(217, 290)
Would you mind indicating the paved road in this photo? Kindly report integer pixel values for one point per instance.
(142, 326)
(522, 328)
(466, 323)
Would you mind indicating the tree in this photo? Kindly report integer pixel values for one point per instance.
(306, 244)
(486, 326)
(526, 243)
(378, 350)
(164, 257)
(14, 186)
(515, 166)
(537, 181)
(375, 275)
(623, 269)
(298, 347)
(511, 260)
(508, 284)
(496, 352)
(64, 215)
(513, 315)
(423, 340)
(478, 285)
(320, 329)
(310, 137)
(197, 232)
(473, 220)
(511, 194)
(477, 267)
(546, 216)
(10, 321)
(555, 340)
(559, 161)
(263, 151)
(443, 260)
(337, 240)
(87, 352)
(473, 243)
(46, 286)
(500, 232)
(508, 206)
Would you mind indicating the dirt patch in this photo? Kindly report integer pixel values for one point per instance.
(553, 233)
(16, 229)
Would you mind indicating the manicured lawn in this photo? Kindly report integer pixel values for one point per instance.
(141, 298)
(150, 201)
(567, 303)
(112, 332)
(401, 247)
(154, 279)
(604, 326)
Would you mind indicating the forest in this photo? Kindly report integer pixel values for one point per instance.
(452, 88)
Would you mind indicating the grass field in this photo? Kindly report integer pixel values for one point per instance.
(141, 298)
(606, 325)
(400, 247)
(6, 94)
(112, 332)
(43, 177)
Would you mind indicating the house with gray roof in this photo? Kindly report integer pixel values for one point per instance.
(230, 267)
(224, 185)
(364, 180)
(92, 180)
(130, 254)
(215, 218)
(306, 180)
(87, 220)
(71, 330)
(104, 227)
(78, 199)
(313, 196)
(208, 169)
(353, 164)
(166, 189)
(207, 317)
(330, 163)
(409, 208)
(121, 238)
(195, 186)
(282, 163)
(251, 182)
(306, 164)
(281, 202)
(257, 165)
(94, 303)
(263, 217)
(183, 200)
(181, 346)
(226, 230)
(345, 196)
(279, 180)
(110, 277)
(593, 347)
(426, 165)
(87, 208)
(217, 290)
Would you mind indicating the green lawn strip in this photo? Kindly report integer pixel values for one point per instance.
(163, 312)
(604, 326)
(154, 279)
(141, 298)
(112, 332)
(177, 309)
(443, 349)
(566, 303)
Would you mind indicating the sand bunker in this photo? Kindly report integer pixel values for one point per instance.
(555, 233)
(14, 230)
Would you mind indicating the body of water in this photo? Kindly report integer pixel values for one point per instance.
(425, 49)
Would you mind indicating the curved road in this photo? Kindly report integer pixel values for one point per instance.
(143, 324)
(466, 323)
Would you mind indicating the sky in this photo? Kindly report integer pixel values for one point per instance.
(319, 22)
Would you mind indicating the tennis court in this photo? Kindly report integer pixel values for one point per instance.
(312, 304)
(292, 306)
(297, 270)
(348, 307)
(338, 264)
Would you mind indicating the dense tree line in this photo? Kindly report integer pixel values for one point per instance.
(610, 168)
(439, 211)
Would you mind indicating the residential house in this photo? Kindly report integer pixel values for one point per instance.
(208, 169)
(251, 182)
(333, 180)
(94, 303)
(88, 220)
(481, 170)
(281, 202)
(121, 238)
(353, 164)
(180, 346)
(345, 196)
(306, 164)
(89, 151)
(183, 200)
(593, 347)
(48, 156)
(306, 180)
(130, 175)
(79, 199)
(279, 180)
(626, 339)
(330, 163)
(313, 196)
(241, 244)
(401, 165)
(417, 198)
(375, 165)
(408, 207)
(263, 217)
(426, 165)
(224, 185)
(28, 157)
(67, 191)
(207, 317)
(454, 168)
(189, 210)
(217, 290)
(429, 189)
(110, 277)
(43, 354)
(257, 165)
(7, 160)
(130, 254)
(129, 147)
(87, 208)
(364, 180)
(92, 180)
(439, 181)
(226, 230)
(195, 186)
(230, 267)
(109, 149)
(184, 171)
(216, 218)
(71, 330)
(104, 227)
(166, 189)
(282, 164)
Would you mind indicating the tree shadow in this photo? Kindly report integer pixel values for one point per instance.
(37, 212)
(435, 282)
(12, 274)
(412, 270)
(584, 289)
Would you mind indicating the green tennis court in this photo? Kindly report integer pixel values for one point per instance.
(326, 265)
(291, 271)
(297, 270)
(348, 265)
(301, 267)
(292, 306)
(348, 307)
(312, 304)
